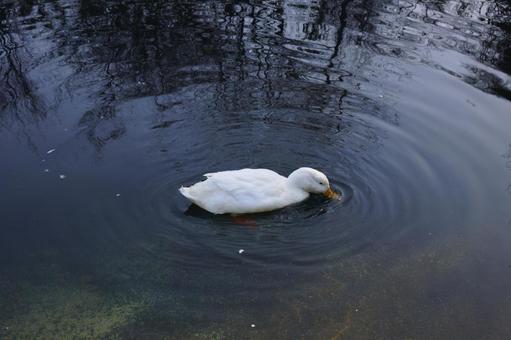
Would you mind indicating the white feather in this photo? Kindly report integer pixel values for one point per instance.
(253, 190)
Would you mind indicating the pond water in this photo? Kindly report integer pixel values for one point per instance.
(107, 108)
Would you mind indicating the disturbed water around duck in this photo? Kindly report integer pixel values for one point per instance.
(106, 109)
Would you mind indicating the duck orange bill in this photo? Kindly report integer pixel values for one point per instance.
(331, 194)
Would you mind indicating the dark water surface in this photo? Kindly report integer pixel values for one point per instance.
(405, 105)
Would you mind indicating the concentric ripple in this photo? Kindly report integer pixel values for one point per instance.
(389, 185)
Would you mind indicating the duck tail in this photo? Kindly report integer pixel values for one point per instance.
(185, 192)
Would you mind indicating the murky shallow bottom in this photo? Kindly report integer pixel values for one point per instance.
(408, 117)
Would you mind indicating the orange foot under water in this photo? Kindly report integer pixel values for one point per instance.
(244, 220)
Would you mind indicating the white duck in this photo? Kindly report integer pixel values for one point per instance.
(255, 190)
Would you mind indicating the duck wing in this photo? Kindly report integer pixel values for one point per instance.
(237, 191)
(253, 182)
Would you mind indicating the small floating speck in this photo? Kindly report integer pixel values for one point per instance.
(46, 170)
(43, 160)
(50, 151)
(241, 251)
(117, 195)
(356, 310)
(61, 176)
(252, 325)
(65, 129)
(381, 96)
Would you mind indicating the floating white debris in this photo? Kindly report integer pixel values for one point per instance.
(241, 251)
(43, 160)
(356, 310)
(117, 195)
(50, 151)
(46, 170)
(61, 176)
(381, 96)
(252, 325)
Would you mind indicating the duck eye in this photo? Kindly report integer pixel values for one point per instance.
(321, 183)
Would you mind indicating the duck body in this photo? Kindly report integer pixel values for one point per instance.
(253, 190)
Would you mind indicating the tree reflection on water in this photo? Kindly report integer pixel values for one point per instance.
(311, 55)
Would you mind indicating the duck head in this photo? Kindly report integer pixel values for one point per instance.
(312, 181)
